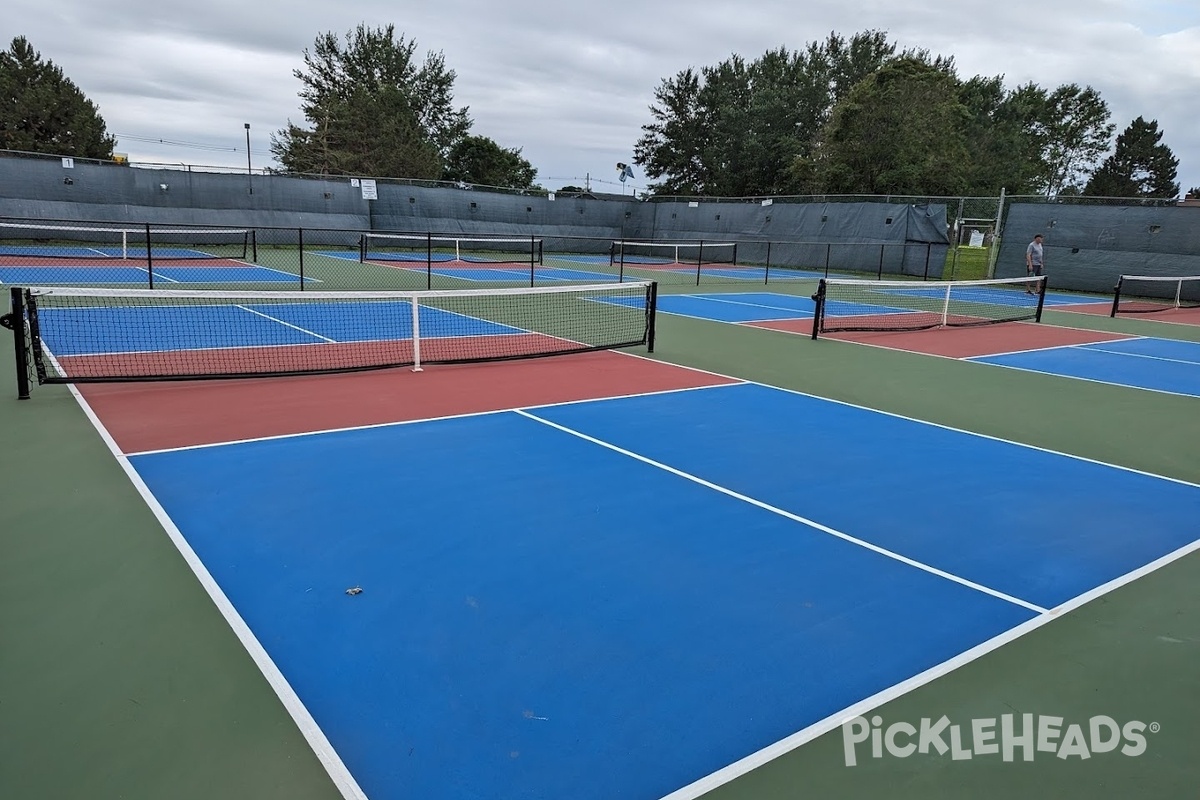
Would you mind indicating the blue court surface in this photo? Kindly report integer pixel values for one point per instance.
(1163, 365)
(74, 276)
(616, 598)
(758, 306)
(131, 329)
(45, 251)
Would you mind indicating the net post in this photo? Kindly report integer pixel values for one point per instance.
(300, 243)
(362, 248)
(699, 259)
(20, 345)
(651, 314)
(828, 253)
(928, 251)
(532, 258)
(428, 259)
(767, 269)
(734, 257)
(818, 308)
(416, 333)
(149, 259)
(1041, 298)
(1116, 296)
(621, 259)
(880, 275)
(254, 245)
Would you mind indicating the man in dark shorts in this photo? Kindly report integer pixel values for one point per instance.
(1034, 259)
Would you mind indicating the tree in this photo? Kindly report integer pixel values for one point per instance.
(43, 111)
(899, 131)
(1074, 132)
(373, 109)
(1140, 165)
(1004, 152)
(735, 128)
(478, 159)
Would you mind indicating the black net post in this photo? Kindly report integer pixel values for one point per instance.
(651, 314)
(254, 245)
(300, 246)
(16, 320)
(818, 308)
(149, 259)
(428, 259)
(767, 269)
(621, 260)
(881, 248)
(1041, 299)
(828, 251)
(1116, 298)
(532, 258)
(699, 260)
(928, 253)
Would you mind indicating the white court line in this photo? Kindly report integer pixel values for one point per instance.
(786, 514)
(398, 423)
(726, 774)
(320, 744)
(1093, 348)
(288, 324)
(1034, 370)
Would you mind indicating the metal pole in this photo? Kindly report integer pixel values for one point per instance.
(249, 172)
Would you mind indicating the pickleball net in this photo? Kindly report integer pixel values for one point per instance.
(428, 248)
(88, 243)
(862, 305)
(1146, 294)
(74, 335)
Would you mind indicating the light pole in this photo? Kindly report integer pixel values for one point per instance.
(249, 172)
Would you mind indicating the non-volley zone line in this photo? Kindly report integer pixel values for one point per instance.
(566, 614)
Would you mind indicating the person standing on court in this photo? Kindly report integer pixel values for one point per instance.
(1034, 260)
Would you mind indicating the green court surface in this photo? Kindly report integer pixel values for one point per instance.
(120, 679)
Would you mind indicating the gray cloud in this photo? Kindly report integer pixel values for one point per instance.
(570, 84)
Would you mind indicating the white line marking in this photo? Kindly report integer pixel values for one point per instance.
(1095, 349)
(751, 762)
(288, 324)
(894, 415)
(786, 514)
(320, 744)
(978, 360)
(397, 423)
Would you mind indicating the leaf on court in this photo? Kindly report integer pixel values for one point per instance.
(354, 590)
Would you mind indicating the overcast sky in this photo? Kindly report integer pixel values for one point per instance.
(570, 83)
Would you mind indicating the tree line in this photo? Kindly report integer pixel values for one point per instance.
(840, 116)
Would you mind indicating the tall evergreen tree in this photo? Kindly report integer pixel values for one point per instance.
(1140, 165)
(42, 111)
(373, 108)
(478, 159)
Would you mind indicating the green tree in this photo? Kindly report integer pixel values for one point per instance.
(1074, 133)
(1003, 149)
(42, 111)
(1140, 165)
(899, 131)
(373, 109)
(735, 128)
(478, 159)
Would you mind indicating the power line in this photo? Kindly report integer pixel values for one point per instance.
(190, 145)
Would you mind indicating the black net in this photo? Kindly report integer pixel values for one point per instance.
(855, 305)
(417, 249)
(1139, 294)
(82, 335)
(29, 244)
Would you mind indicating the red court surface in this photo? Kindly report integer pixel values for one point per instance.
(959, 342)
(160, 415)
